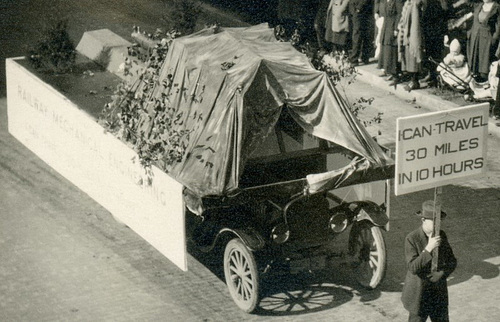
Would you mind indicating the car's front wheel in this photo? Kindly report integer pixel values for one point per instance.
(368, 254)
(241, 273)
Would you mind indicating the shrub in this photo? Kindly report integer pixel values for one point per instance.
(55, 52)
(183, 15)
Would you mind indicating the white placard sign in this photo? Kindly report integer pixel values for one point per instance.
(440, 148)
(102, 166)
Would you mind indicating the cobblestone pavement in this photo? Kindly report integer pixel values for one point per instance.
(472, 205)
(64, 258)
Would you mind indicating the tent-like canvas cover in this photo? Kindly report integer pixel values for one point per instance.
(228, 88)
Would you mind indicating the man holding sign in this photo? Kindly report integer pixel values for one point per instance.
(425, 291)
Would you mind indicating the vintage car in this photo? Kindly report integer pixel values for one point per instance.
(277, 221)
(274, 163)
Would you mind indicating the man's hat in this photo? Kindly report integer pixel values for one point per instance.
(428, 209)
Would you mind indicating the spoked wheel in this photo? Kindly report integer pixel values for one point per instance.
(367, 248)
(240, 271)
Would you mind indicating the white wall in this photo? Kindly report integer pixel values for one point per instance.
(71, 142)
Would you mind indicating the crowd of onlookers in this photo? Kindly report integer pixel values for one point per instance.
(411, 40)
(416, 42)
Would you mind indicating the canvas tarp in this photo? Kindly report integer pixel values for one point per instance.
(228, 89)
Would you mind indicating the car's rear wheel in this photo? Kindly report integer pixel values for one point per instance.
(367, 248)
(241, 273)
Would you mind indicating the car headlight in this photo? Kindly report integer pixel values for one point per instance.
(338, 222)
(280, 233)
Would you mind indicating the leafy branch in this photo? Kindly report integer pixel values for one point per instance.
(154, 126)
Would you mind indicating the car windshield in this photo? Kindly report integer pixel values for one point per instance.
(290, 153)
(285, 139)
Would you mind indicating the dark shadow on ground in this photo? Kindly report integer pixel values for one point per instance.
(297, 294)
(300, 294)
(471, 226)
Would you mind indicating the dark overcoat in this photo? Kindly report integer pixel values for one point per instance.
(418, 289)
(391, 11)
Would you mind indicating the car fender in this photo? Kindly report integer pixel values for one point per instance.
(252, 239)
(372, 212)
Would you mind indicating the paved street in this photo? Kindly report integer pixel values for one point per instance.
(64, 258)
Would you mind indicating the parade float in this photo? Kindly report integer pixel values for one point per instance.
(226, 139)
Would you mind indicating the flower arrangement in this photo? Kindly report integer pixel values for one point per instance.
(337, 66)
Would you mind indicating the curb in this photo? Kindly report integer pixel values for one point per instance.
(369, 74)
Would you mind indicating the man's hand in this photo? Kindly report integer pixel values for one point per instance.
(433, 243)
(435, 276)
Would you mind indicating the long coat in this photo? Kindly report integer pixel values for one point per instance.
(418, 289)
(483, 39)
(391, 11)
(337, 15)
(337, 21)
(410, 37)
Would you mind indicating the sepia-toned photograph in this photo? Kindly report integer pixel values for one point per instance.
(251, 160)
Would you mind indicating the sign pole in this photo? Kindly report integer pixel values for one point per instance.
(437, 225)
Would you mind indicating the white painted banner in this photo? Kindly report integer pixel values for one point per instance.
(72, 143)
(440, 148)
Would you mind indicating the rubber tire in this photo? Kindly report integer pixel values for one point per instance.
(239, 259)
(369, 278)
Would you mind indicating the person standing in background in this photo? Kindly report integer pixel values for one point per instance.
(410, 42)
(337, 25)
(379, 22)
(434, 24)
(496, 105)
(483, 38)
(363, 29)
(320, 23)
(390, 10)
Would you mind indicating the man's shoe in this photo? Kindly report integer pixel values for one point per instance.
(412, 85)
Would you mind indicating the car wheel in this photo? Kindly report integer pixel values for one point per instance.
(367, 248)
(240, 271)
